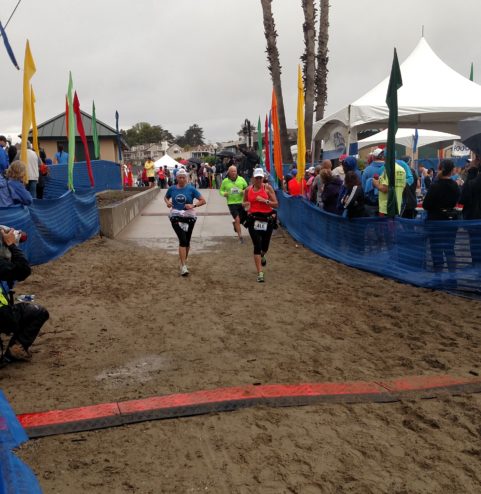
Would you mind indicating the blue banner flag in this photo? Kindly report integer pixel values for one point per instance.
(8, 47)
(119, 144)
(415, 140)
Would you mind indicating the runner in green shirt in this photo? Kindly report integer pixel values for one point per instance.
(232, 188)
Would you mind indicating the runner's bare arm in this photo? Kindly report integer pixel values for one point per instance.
(272, 197)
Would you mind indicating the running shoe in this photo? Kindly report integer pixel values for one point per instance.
(260, 277)
(241, 240)
(263, 260)
(17, 352)
(184, 271)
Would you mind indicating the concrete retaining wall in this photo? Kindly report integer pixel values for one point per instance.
(114, 218)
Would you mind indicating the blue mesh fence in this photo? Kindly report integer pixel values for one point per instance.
(15, 476)
(53, 226)
(106, 177)
(434, 254)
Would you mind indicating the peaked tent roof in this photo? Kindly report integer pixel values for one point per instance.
(167, 161)
(433, 96)
(55, 128)
(405, 138)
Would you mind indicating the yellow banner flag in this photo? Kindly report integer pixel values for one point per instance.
(28, 71)
(301, 133)
(34, 123)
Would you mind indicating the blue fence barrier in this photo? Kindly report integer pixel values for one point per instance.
(15, 476)
(433, 254)
(106, 177)
(53, 226)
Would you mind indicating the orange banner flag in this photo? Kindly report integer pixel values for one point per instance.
(277, 139)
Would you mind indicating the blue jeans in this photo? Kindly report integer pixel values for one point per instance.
(32, 188)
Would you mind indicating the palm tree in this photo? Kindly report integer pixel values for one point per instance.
(322, 60)
(309, 60)
(275, 71)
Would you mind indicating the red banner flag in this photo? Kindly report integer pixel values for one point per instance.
(81, 131)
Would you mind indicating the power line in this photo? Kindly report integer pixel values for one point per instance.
(11, 15)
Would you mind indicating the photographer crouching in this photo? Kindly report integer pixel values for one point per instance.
(24, 320)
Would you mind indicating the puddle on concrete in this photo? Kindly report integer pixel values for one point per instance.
(171, 245)
(135, 371)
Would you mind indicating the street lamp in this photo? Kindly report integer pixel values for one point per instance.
(247, 131)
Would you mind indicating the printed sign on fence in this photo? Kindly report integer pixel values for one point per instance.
(459, 149)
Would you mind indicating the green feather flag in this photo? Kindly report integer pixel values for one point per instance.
(71, 133)
(95, 134)
(395, 82)
(259, 141)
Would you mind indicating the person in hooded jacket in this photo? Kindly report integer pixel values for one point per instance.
(330, 191)
(12, 188)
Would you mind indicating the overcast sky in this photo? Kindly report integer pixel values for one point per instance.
(180, 62)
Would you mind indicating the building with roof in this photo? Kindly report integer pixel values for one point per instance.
(54, 132)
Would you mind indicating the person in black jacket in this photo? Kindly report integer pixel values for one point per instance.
(353, 200)
(22, 320)
(440, 202)
(471, 201)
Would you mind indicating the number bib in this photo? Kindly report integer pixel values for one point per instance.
(234, 190)
(184, 226)
(260, 225)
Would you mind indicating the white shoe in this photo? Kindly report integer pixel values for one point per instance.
(184, 271)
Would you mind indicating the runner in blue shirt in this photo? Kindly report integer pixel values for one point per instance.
(180, 198)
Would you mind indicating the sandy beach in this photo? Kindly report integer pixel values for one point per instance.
(125, 325)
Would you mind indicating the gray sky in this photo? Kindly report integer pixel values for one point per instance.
(179, 62)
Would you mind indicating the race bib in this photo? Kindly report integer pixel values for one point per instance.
(260, 225)
(234, 190)
(184, 226)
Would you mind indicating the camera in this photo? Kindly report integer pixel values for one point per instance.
(20, 236)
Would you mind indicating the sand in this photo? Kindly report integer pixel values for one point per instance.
(124, 325)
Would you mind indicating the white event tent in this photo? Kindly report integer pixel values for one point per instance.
(433, 96)
(167, 161)
(405, 137)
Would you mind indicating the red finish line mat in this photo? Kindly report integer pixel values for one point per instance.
(228, 399)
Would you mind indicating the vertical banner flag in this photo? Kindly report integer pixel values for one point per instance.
(259, 142)
(415, 140)
(66, 116)
(8, 47)
(95, 134)
(471, 73)
(81, 131)
(395, 82)
(118, 135)
(277, 138)
(266, 146)
(71, 133)
(28, 70)
(271, 149)
(301, 133)
(34, 123)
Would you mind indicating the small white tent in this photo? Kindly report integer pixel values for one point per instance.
(167, 161)
(433, 96)
(405, 137)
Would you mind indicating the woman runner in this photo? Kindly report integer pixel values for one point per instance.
(180, 198)
(259, 200)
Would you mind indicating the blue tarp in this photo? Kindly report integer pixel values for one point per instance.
(107, 176)
(53, 226)
(15, 476)
(434, 254)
